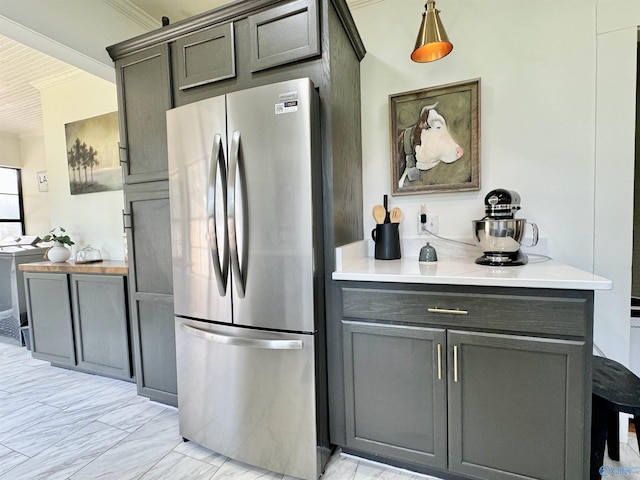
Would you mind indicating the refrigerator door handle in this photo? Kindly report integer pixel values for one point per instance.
(242, 341)
(217, 164)
(232, 218)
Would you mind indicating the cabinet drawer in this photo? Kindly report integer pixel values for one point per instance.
(206, 56)
(284, 34)
(544, 314)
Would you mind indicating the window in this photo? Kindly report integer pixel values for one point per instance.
(11, 211)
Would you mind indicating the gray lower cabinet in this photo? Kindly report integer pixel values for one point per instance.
(395, 391)
(80, 321)
(437, 381)
(101, 324)
(50, 320)
(151, 290)
(516, 406)
(156, 349)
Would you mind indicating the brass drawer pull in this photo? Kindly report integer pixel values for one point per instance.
(447, 310)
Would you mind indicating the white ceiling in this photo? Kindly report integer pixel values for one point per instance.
(38, 48)
(20, 67)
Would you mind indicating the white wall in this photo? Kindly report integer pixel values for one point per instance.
(26, 152)
(94, 218)
(615, 155)
(541, 66)
(10, 150)
(36, 203)
(537, 105)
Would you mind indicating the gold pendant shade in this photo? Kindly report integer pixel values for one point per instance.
(432, 43)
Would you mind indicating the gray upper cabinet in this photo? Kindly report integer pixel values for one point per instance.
(284, 34)
(50, 320)
(143, 98)
(206, 56)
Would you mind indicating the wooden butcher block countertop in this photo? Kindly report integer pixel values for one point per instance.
(108, 267)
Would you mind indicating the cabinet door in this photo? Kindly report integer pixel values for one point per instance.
(516, 406)
(49, 311)
(284, 34)
(101, 324)
(151, 290)
(144, 96)
(206, 56)
(395, 389)
(155, 332)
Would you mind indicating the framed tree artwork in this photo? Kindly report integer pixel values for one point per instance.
(93, 155)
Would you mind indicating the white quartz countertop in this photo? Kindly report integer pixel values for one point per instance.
(353, 263)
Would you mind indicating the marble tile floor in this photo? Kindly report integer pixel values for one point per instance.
(628, 468)
(59, 424)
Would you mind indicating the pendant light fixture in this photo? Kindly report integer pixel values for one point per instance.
(432, 43)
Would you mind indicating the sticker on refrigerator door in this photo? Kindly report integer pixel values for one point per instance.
(286, 107)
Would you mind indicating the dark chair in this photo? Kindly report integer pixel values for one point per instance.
(615, 389)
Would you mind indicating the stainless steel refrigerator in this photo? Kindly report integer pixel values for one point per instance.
(246, 225)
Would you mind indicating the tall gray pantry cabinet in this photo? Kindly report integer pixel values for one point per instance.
(237, 46)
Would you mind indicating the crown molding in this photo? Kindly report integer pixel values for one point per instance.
(129, 10)
(354, 4)
(48, 46)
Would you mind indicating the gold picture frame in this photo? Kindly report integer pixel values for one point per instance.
(435, 139)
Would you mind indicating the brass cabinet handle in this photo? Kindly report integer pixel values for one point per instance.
(447, 310)
(439, 362)
(455, 363)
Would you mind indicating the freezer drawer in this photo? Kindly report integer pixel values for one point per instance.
(249, 394)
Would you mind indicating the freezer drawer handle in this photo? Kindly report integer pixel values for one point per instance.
(242, 341)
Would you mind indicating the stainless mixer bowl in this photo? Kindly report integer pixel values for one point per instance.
(501, 236)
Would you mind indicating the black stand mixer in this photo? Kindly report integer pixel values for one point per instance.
(499, 234)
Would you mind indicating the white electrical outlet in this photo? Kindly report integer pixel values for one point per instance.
(432, 224)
